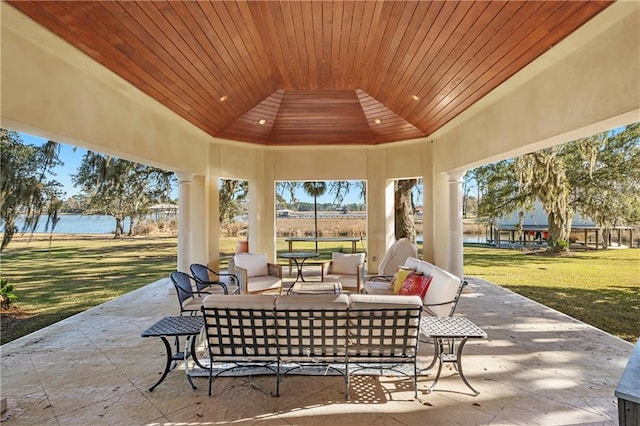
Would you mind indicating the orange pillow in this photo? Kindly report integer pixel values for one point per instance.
(400, 277)
(416, 285)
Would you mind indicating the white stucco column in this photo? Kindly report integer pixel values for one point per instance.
(184, 220)
(455, 265)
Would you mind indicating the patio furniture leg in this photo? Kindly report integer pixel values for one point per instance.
(167, 366)
(459, 365)
(186, 355)
(435, 354)
(347, 380)
(438, 344)
(193, 353)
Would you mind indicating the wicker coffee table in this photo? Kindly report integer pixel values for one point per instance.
(315, 288)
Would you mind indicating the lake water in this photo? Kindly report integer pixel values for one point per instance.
(79, 224)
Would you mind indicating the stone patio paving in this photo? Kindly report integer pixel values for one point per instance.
(537, 367)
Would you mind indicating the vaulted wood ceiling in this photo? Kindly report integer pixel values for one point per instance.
(314, 72)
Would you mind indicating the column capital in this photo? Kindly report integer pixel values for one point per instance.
(456, 175)
(184, 177)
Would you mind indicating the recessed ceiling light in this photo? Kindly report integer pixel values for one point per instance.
(377, 121)
(223, 98)
(262, 122)
(415, 97)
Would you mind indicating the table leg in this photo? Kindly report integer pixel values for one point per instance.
(450, 357)
(438, 355)
(186, 358)
(459, 364)
(300, 265)
(167, 367)
(193, 352)
(435, 354)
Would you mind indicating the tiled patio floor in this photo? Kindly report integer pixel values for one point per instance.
(537, 367)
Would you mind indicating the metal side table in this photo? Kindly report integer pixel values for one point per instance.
(450, 328)
(189, 326)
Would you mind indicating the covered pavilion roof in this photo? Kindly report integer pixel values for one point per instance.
(314, 72)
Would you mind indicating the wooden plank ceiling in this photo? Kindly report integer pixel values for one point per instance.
(314, 72)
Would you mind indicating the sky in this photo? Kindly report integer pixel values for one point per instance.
(72, 157)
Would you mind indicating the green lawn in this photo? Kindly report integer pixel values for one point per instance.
(75, 275)
(600, 287)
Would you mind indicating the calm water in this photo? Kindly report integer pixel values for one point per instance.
(79, 224)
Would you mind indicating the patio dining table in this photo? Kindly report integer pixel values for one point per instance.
(299, 258)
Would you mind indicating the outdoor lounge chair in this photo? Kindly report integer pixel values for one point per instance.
(256, 275)
(346, 268)
(190, 300)
(214, 282)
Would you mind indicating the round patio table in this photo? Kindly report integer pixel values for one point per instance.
(299, 258)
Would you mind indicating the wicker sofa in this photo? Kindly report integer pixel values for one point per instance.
(287, 332)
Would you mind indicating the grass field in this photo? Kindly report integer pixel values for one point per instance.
(601, 288)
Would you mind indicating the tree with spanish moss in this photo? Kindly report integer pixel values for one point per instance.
(598, 176)
(26, 188)
(121, 188)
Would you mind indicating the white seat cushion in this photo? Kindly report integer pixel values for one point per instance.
(347, 281)
(378, 287)
(193, 304)
(316, 301)
(263, 283)
(368, 301)
(240, 301)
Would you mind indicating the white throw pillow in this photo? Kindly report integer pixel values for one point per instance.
(254, 263)
(346, 263)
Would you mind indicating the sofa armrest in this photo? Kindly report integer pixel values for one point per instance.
(242, 275)
(275, 270)
(325, 269)
(360, 277)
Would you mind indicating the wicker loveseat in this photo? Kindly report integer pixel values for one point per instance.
(288, 332)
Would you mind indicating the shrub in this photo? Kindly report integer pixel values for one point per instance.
(561, 246)
(7, 297)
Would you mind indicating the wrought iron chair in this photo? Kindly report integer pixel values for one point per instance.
(214, 282)
(190, 300)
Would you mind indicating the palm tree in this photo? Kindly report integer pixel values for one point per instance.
(315, 189)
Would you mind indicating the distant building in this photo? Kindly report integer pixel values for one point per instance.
(163, 211)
